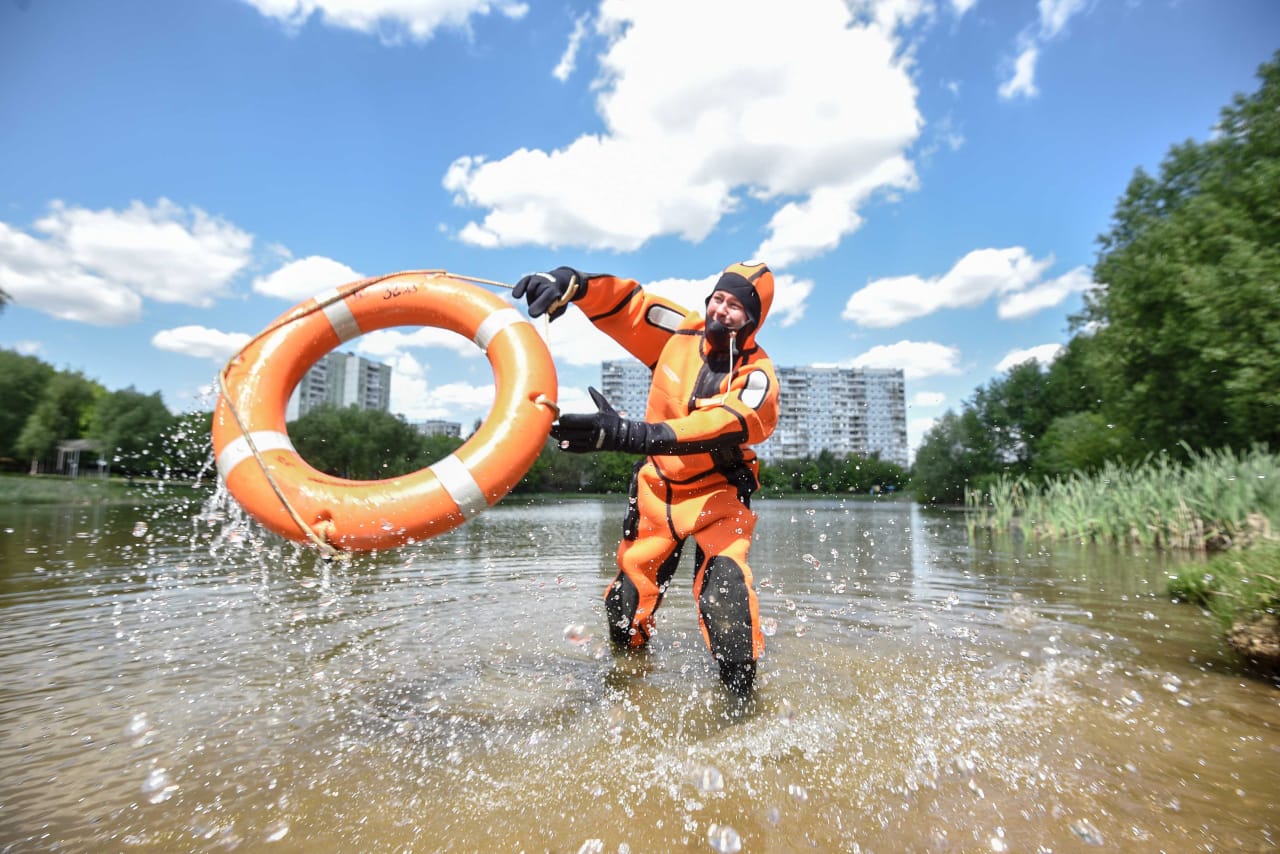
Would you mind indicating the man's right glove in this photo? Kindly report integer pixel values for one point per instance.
(606, 430)
(543, 291)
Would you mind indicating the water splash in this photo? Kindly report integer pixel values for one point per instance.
(723, 839)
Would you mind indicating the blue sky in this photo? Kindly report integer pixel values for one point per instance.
(927, 178)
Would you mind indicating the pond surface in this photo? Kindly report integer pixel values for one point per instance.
(174, 679)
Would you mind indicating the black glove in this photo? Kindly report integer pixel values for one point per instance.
(606, 430)
(543, 290)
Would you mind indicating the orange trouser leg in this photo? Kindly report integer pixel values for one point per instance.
(645, 566)
(728, 612)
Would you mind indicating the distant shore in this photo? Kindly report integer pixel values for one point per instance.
(57, 489)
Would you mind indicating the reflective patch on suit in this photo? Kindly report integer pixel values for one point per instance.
(757, 387)
(664, 318)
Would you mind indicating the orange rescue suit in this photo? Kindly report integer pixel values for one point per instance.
(718, 403)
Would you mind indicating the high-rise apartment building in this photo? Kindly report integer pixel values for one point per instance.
(342, 380)
(439, 427)
(842, 410)
(625, 384)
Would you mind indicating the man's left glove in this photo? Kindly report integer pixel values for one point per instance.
(606, 430)
(553, 290)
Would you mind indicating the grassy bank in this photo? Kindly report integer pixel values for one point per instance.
(54, 489)
(1218, 500)
(1241, 589)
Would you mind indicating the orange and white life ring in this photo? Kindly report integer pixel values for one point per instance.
(266, 475)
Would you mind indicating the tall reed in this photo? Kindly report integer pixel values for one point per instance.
(1215, 500)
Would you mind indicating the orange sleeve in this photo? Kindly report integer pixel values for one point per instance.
(638, 320)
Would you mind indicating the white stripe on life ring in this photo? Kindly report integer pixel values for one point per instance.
(340, 316)
(461, 485)
(495, 323)
(237, 450)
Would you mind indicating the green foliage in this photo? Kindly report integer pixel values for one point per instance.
(1189, 315)
(23, 380)
(64, 411)
(132, 430)
(955, 453)
(832, 474)
(1233, 584)
(1079, 442)
(1199, 501)
(187, 448)
(362, 444)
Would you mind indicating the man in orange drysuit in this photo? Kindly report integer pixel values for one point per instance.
(713, 394)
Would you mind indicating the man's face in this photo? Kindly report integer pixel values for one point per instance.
(727, 310)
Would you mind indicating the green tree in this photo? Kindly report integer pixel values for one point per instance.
(1080, 442)
(64, 411)
(23, 380)
(188, 446)
(1015, 411)
(956, 454)
(1188, 315)
(132, 430)
(358, 444)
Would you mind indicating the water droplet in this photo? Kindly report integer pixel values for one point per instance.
(592, 846)
(786, 712)
(577, 634)
(798, 792)
(1084, 829)
(158, 787)
(708, 780)
(724, 839)
(801, 630)
(769, 626)
(275, 831)
(137, 724)
(140, 529)
(614, 720)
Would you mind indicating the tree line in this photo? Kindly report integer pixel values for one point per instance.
(1177, 349)
(137, 436)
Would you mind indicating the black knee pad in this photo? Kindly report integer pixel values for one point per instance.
(725, 605)
(738, 677)
(620, 609)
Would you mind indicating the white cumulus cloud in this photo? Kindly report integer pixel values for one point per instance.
(1022, 80)
(391, 20)
(304, 278)
(917, 359)
(200, 341)
(1044, 354)
(1011, 276)
(97, 266)
(1045, 295)
(809, 126)
(1052, 18)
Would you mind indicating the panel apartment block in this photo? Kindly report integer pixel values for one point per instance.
(342, 380)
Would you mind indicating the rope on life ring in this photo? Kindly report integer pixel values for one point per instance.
(271, 481)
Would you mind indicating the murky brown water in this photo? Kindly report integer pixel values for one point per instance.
(178, 681)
